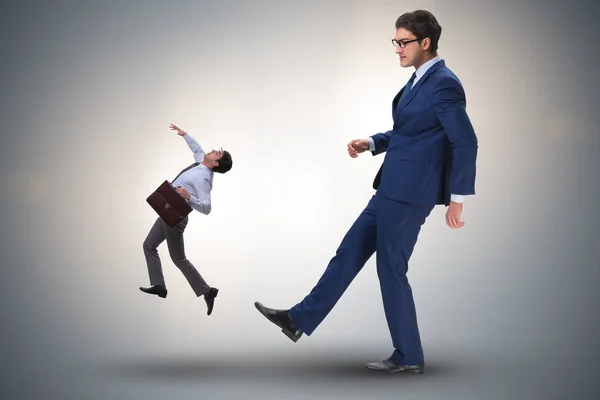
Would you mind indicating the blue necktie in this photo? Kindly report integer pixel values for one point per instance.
(185, 169)
(408, 86)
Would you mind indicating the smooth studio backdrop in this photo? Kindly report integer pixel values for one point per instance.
(89, 90)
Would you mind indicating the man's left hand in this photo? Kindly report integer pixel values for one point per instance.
(180, 131)
(453, 215)
(183, 192)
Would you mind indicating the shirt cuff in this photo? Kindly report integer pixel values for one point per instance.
(457, 198)
(371, 144)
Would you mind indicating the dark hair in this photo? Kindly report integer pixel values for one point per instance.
(422, 24)
(225, 163)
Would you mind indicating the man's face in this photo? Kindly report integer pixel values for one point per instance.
(412, 52)
(214, 156)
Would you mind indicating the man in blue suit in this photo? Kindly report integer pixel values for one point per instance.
(430, 158)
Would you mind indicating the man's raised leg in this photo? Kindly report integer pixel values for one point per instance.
(357, 246)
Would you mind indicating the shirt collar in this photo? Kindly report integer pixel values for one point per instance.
(423, 68)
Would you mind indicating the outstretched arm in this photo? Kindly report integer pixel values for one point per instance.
(375, 144)
(194, 146)
(378, 143)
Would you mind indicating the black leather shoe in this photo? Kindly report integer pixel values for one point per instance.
(390, 366)
(210, 299)
(159, 290)
(282, 319)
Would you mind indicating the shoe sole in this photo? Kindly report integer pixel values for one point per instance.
(162, 296)
(286, 333)
(412, 371)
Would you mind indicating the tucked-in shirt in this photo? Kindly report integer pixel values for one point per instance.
(197, 180)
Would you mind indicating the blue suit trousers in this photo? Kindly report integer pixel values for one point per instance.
(390, 228)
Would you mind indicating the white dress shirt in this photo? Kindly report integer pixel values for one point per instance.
(197, 180)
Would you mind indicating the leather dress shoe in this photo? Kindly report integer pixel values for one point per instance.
(159, 290)
(390, 366)
(282, 319)
(210, 299)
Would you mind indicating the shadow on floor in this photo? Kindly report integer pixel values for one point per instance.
(316, 367)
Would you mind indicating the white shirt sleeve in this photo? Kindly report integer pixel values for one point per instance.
(195, 147)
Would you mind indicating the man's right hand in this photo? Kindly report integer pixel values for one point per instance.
(180, 131)
(357, 146)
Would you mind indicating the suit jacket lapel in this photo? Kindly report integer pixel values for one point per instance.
(416, 87)
(395, 101)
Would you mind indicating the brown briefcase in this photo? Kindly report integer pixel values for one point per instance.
(169, 204)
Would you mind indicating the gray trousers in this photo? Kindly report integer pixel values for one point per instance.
(174, 236)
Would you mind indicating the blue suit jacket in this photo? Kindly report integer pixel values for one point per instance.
(432, 149)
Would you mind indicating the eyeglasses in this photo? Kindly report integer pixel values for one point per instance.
(402, 43)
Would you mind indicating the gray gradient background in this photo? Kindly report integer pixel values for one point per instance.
(508, 306)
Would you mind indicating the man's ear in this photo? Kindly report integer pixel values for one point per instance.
(426, 43)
